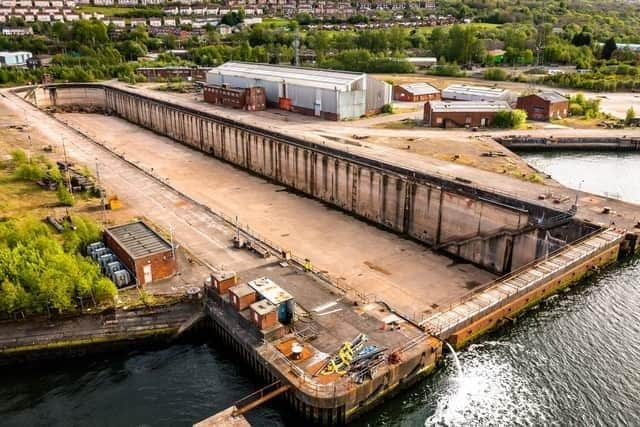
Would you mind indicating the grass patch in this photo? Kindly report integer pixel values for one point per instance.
(402, 124)
(18, 197)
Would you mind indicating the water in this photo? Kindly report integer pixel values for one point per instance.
(572, 361)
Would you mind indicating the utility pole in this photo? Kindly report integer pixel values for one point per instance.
(296, 46)
(173, 247)
(102, 194)
(66, 167)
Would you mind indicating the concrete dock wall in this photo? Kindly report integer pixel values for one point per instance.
(559, 280)
(430, 209)
(528, 143)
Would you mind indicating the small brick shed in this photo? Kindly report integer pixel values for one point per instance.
(143, 251)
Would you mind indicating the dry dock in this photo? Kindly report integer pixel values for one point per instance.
(526, 248)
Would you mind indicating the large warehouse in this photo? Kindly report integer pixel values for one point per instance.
(331, 95)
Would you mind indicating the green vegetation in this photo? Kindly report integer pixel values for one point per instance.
(387, 109)
(509, 119)
(630, 116)
(29, 168)
(64, 196)
(41, 271)
(447, 70)
(580, 106)
(496, 74)
(584, 33)
(39, 275)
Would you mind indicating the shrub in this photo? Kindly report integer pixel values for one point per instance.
(576, 109)
(447, 70)
(509, 119)
(496, 74)
(29, 172)
(387, 109)
(64, 196)
(631, 114)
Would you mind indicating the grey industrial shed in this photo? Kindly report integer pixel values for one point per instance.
(333, 95)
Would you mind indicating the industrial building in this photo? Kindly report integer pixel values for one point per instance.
(461, 92)
(449, 114)
(168, 73)
(544, 106)
(416, 92)
(331, 95)
(249, 98)
(14, 59)
(144, 252)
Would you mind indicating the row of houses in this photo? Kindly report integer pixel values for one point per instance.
(462, 105)
(70, 4)
(40, 17)
(373, 4)
(207, 11)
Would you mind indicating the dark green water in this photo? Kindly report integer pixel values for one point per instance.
(572, 361)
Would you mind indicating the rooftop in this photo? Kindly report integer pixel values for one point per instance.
(138, 239)
(551, 96)
(468, 107)
(241, 290)
(313, 77)
(422, 88)
(269, 290)
(263, 307)
(477, 90)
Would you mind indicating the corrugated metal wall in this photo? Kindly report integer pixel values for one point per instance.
(378, 94)
(302, 96)
(352, 104)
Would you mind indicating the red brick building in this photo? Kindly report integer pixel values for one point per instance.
(450, 114)
(416, 92)
(544, 106)
(250, 99)
(143, 251)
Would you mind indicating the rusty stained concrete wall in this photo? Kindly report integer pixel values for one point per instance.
(419, 209)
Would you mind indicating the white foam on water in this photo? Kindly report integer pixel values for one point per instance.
(485, 392)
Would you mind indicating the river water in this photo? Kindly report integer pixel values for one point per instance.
(572, 361)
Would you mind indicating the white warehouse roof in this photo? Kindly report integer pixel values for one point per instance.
(475, 91)
(468, 106)
(422, 88)
(311, 77)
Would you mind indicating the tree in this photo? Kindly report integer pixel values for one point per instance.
(464, 45)
(582, 39)
(438, 42)
(397, 39)
(319, 41)
(608, 48)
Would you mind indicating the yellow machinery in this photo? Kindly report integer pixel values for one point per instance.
(114, 203)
